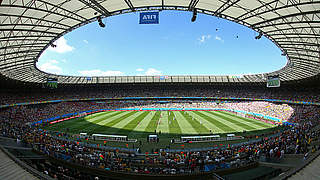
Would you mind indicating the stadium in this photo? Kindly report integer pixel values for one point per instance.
(253, 126)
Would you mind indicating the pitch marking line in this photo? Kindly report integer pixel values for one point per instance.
(184, 124)
(226, 122)
(241, 120)
(206, 123)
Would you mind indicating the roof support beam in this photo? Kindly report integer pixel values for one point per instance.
(252, 12)
(162, 4)
(225, 6)
(79, 19)
(295, 15)
(306, 55)
(192, 4)
(13, 38)
(21, 52)
(289, 22)
(294, 35)
(291, 29)
(96, 6)
(299, 43)
(290, 48)
(19, 56)
(15, 65)
(276, 7)
(130, 5)
(31, 19)
(24, 45)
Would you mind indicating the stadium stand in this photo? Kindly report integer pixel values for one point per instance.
(58, 145)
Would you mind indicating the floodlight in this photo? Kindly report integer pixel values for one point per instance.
(194, 17)
(259, 36)
(101, 24)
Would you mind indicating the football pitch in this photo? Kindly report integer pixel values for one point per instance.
(136, 124)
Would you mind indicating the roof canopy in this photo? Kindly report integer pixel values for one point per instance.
(28, 27)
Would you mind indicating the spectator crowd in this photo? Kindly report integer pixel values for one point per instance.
(16, 123)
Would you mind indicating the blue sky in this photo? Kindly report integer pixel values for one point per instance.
(176, 46)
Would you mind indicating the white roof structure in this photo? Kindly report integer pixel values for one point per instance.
(28, 27)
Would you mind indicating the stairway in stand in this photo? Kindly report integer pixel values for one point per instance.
(9, 170)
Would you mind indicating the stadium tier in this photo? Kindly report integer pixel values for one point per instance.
(72, 131)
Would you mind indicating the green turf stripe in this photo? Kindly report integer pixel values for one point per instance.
(134, 122)
(104, 123)
(127, 120)
(102, 117)
(107, 119)
(220, 124)
(152, 126)
(174, 125)
(142, 125)
(74, 123)
(237, 122)
(91, 123)
(163, 125)
(119, 127)
(186, 127)
(63, 125)
(238, 119)
(253, 121)
(207, 123)
(91, 116)
(236, 127)
(111, 124)
(79, 120)
(200, 128)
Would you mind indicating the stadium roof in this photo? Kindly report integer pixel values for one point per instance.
(28, 27)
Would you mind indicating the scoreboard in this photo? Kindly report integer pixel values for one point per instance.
(273, 81)
(52, 83)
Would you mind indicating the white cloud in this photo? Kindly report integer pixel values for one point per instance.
(204, 38)
(152, 72)
(51, 67)
(98, 72)
(219, 39)
(62, 46)
(53, 61)
(139, 69)
(85, 41)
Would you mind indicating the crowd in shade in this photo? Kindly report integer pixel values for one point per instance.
(298, 94)
(58, 171)
(15, 123)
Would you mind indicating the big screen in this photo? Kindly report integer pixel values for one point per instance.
(273, 81)
(52, 83)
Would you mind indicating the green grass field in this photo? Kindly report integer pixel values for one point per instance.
(172, 124)
(138, 123)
